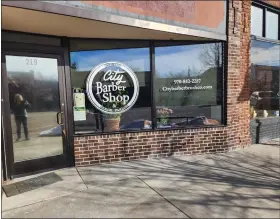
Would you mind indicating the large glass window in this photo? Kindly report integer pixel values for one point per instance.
(265, 71)
(85, 55)
(271, 27)
(188, 85)
(187, 89)
(256, 21)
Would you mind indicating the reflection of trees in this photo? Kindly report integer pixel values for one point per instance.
(210, 73)
(74, 65)
(189, 72)
(211, 55)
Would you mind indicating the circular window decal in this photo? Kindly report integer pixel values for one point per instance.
(112, 87)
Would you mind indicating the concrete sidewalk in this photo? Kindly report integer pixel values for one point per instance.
(238, 184)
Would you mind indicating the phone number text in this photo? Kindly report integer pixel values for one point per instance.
(187, 81)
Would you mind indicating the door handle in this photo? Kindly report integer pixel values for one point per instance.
(59, 118)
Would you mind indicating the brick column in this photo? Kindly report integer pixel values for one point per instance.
(245, 71)
(238, 107)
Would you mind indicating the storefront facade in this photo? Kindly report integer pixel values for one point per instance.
(264, 77)
(117, 81)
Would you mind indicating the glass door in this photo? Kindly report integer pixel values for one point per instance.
(35, 114)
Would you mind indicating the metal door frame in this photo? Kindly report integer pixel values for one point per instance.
(16, 169)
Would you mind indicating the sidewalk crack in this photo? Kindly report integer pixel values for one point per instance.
(164, 197)
(81, 177)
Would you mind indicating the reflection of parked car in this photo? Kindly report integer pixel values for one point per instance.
(265, 100)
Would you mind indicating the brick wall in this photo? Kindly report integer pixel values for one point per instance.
(128, 146)
(245, 70)
(181, 11)
(275, 3)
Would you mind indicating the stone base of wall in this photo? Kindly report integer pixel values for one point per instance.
(131, 146)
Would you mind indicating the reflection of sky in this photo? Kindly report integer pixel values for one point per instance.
(45, 68)
(168, 59)
(136, 59)
(176, 59)
(263, 53)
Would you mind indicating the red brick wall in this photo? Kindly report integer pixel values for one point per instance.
(275, 3)
(183, 11)
(245, 50)
(128, 146)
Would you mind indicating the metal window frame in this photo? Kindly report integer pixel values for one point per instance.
(12, 168)
(153, 73)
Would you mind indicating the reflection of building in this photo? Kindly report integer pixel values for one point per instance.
(265, 100)
(265, 71)
(264, 78)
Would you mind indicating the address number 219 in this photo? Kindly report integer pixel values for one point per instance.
(31, 61)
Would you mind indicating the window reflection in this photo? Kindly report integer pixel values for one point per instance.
(188, 85)
(34, 102)
(265, 70)
(187, 81)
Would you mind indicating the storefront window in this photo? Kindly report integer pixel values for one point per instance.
(85, 56)
(188, 85)
(109, 76)
(265, 71)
